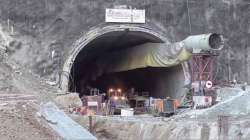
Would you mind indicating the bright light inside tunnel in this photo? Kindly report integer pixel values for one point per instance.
(157, 81)
(111, 90)
(123, 98)
(116, 97)
(119, 90)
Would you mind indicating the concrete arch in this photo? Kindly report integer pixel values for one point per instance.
(98, 31)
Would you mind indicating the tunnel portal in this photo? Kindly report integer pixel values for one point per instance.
(158, 81)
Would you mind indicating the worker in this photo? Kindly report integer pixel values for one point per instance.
(111, 107)
(106, 97)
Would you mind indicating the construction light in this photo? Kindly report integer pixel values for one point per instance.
(119, 90)
(123, 98)
(116, 98)
(111, 90)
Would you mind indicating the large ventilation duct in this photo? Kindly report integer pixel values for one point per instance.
(204, 42)
(157, 54)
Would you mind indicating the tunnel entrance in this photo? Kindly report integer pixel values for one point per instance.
(158, 82)
(83, 73)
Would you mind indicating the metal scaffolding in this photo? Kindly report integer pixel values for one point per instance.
(202, 66)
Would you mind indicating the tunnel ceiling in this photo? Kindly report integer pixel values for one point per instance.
(114, 41)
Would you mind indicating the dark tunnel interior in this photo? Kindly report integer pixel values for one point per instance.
(159, 82)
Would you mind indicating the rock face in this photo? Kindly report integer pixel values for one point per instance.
(44, 31)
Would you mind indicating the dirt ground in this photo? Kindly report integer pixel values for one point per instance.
(19, 121)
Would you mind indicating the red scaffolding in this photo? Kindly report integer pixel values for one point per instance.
(202, 65)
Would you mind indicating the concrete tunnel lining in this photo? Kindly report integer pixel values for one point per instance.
(98, 33)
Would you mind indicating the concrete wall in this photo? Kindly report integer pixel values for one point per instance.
(40, 27)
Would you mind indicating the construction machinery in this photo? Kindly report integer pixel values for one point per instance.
(116, 101)
(138, 103)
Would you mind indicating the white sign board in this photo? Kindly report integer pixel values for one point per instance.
(125, 15)
(92, 103)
